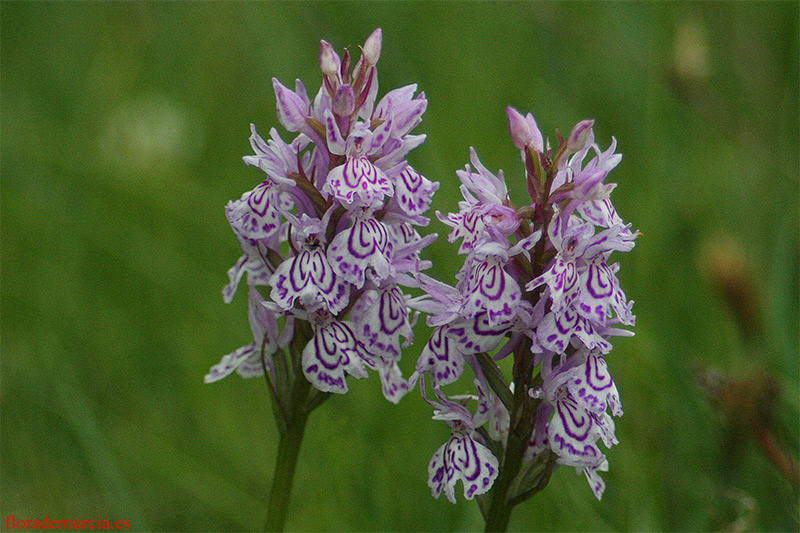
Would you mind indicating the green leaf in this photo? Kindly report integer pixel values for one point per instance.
(496, 380)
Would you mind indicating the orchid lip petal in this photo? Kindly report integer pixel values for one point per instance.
(365, 245)
(330, 355)
(358, 183)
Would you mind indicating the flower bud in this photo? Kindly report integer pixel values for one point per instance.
(520, 130)
(579, 136)
(538, 141)
(372, 47)
(328, 60)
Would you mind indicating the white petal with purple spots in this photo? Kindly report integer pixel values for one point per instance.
(382, 323)
(477, 334)
(593, 387)
(490, 288)
(467, 224)
(414, 191)
(358, 183)
(231, 362)
(573, 433)
(462, 458)
(562, 279)
(246, 361)
(256, 215)
(364, 245)
(309, 278)
(441, 359)
(333, 352)
(557, 329)
(596, 483)
(598, 287)
(393, 384)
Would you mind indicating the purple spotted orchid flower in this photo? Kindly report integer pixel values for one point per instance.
(329, 235)
(463, 457)
(573, 415)
(536, 283)
(331, 250)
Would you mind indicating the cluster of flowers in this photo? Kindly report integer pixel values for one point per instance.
(330, 233)
(330, 244)
(536, 282)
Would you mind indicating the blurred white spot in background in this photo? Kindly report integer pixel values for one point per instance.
(690, 63)
(149, 134)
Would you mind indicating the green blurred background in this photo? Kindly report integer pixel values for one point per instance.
(123, 128)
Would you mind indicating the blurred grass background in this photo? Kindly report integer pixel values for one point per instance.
(123, 128)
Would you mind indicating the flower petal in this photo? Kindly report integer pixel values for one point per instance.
(562, 278)
(492, 289)
(392, 382)
(333, 351)
(382, 323)
(439, 477)
(358, 183)
(336, 143)
(573, 433)
(475, 465)
(594, 387)
(229, 363)
(596, 483)
(468, 223)
(309, 277)
(256, 215)
(462, 458)
(414, 191)
(365, 244)
(599, 286)
(291, 107)
(441, 359)
(556, 329)
(477, 334)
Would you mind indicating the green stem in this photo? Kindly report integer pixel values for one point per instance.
(286, 462)
(295, 391)
(501, 505)
(502, 502)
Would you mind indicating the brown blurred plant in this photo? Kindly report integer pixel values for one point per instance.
(749, 399)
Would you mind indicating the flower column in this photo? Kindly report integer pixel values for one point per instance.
(536, 284)
(330, 242)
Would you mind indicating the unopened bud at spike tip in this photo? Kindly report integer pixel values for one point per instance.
(328, 60)
(520, 129)
(372, 47)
